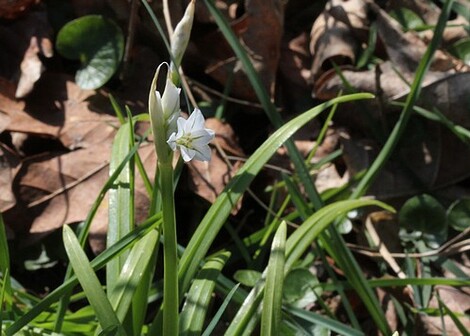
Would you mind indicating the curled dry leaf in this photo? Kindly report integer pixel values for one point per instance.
(334, 35)
(404, 51)
(210, 178)
(31, 69)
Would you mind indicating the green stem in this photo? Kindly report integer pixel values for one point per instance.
(170, 257)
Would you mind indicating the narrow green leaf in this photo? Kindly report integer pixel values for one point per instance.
(4, 282)
(5, 262)
(220, 210)
(411, 99)
(99, 262)
(463, 330)
(301, 238)
(89, 282)
(326, 322)
(199, 296)
(120, 201)
(272, 302)
(132, 270)
(210, 328)
(296, 245)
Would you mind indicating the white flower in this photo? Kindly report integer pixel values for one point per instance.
(169, 105)
(192, 138)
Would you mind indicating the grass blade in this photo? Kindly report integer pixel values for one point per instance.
(326, 322)
(220, 210)
(210, 328)
(265, 100)
(298, 242)
(5, 265)
(463, 330)
(89, 282)
(200, 294)
(412, 97)
(98, 263)
(272, 301)
(132, 270)
(120, 201)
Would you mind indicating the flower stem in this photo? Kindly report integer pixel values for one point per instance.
(170, 276)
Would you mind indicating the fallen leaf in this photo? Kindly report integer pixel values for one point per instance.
(57, 189)
(406, 49)
(457, 300)
(58, 108)
(333, 38)
(9, 163)
(294, 73)
(22, 41)
(261, 21)
(428, 158)
(31, 70)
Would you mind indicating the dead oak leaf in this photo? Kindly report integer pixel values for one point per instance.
(58, 108)
(57, 189)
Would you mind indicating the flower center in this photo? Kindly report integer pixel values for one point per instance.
(185, 141)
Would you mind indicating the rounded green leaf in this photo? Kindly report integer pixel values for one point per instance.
(98, 43)
(247, 278)
(458, 214)
(299, 288)
(423, 217)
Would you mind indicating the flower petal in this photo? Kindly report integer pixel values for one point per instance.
(171, 99)
(195, 121)
(181, 122)
(202, 137)
(187, 153)
(203, 153)
(172, 141)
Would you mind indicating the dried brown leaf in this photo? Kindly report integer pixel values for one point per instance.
(31, 69)
(262, 21)
(334, 35)
(57, 189)
(22, 41)
(428, 158)
(58, 108)
(457, 300)
(9, 163)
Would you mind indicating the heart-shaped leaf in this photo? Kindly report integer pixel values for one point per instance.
(423, 217)
(299, 288)
(98, 43)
